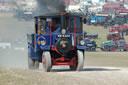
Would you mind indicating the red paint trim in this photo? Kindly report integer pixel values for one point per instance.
(74, 61)
(62, 59)
(75, 31)
(39, 42)
(55, 49)
(44, 61)
(63, 13)
(73, 47)
(50, 34)
(65, 61)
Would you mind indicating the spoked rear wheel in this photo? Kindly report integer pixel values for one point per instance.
(36, 64)
(32, 63)
(46, 60)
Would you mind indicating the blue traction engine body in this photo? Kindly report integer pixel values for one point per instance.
(58, 39)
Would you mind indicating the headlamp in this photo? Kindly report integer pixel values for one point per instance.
(43, 42)
(82, 42)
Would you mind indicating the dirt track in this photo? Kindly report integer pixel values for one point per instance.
(101, 68)
(89, 76)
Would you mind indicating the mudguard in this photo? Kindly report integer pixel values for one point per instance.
(31, 53)
(81, 47)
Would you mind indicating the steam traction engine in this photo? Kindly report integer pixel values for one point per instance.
(58, 40)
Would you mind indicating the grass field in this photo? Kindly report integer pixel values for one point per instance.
(110, 59)
(101, 31)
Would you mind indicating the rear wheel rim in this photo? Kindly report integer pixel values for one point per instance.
(75, 63)
(30, 61)
(44, 61)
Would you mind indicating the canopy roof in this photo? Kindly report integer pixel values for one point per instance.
(56, 14)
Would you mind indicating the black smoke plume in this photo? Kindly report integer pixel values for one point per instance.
(49, 6)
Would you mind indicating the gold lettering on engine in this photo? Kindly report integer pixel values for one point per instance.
(63, 42)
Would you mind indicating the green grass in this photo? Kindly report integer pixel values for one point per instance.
(110, 59)
(101, 32)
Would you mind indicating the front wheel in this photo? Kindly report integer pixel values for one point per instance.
(46, 60)
(78, 62)
(80, 56)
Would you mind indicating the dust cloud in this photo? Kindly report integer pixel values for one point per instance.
(14, 25)
(38, 7)
(13, 32)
